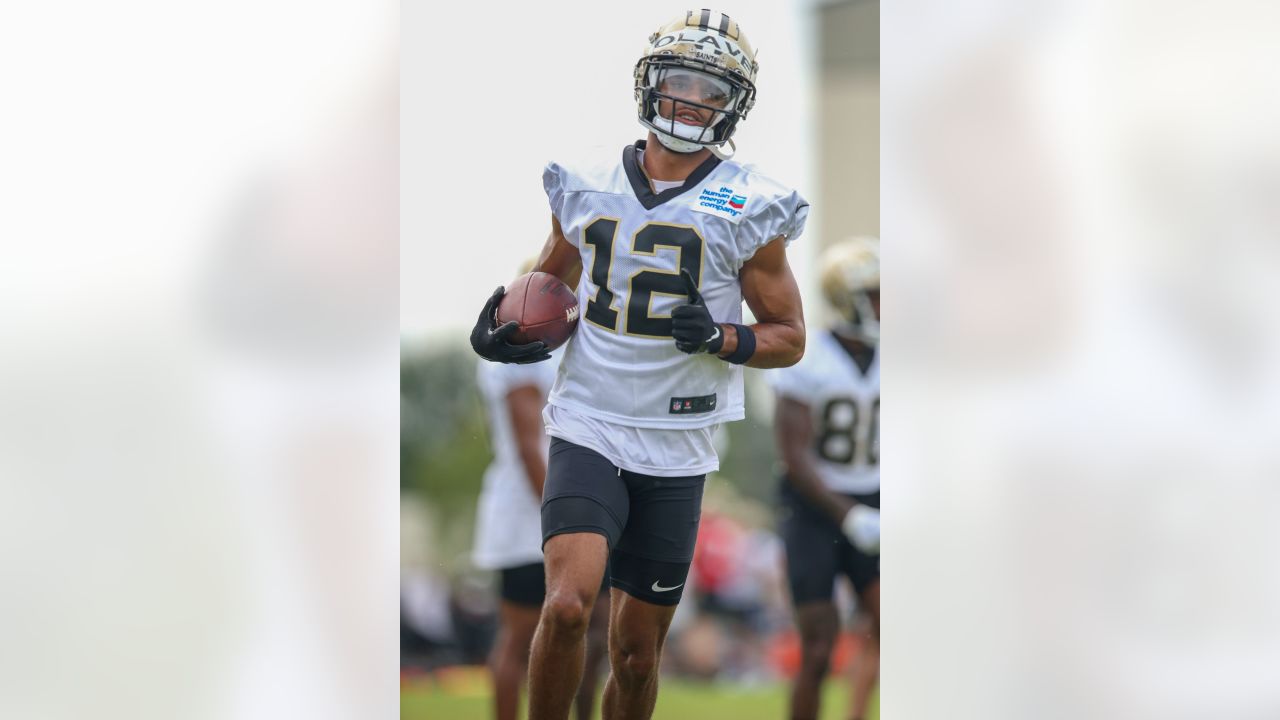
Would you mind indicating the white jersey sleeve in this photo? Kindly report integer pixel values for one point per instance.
(622, 365)
(553, 184)
(778, 213)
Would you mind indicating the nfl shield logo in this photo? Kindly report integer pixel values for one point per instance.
(675, 406)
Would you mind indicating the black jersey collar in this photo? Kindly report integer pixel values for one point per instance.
(640, 182)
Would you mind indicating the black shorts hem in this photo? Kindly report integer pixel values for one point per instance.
(603, 505)
(577, 529)
(643, 594)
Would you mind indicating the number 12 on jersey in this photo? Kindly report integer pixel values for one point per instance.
(602, 310)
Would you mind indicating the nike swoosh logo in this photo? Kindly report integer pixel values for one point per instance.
(659, 588)
(714, 335)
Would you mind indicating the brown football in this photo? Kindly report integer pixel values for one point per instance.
(545, 308)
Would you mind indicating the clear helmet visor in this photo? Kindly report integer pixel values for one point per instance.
(691, 86)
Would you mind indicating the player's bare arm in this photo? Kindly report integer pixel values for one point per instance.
(793, 426)
(524, 404)
(559, 257)
(770, 290)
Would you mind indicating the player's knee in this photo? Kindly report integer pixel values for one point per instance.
(566, 612)
(634, 666)
(815, 656)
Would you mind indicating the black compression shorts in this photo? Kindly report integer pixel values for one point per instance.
(524, 585)
(650, 523)
(818, 551)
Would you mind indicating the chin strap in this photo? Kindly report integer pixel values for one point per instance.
(718, 150)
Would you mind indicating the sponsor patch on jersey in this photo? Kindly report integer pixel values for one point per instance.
(692, 405)
(721, 200)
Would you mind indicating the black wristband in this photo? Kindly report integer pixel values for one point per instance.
(746, 345)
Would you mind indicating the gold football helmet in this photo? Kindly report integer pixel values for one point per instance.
(850, 273)
(708, 48)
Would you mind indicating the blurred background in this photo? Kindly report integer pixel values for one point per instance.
(474, 208)
(218, 270)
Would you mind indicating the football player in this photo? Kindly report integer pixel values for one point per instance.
(827, 424)
(508, 535)
(669, 241)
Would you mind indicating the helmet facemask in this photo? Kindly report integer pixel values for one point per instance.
(723, 101)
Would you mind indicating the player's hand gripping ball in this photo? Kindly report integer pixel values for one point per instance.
(524, 323)
(491, 342)
(544, 309)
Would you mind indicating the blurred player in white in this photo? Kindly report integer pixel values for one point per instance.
(827, 425)
(669, 239)
(508, 533)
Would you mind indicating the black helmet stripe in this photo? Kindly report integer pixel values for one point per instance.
(724, 24)
(705, 21)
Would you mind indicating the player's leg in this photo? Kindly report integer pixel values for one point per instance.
(818, 624)
(597, 651)
(866, 670)
(813, 546)
(637, 631)
(863, 671)
(584, 507)
(648, 569)
(865, 675)
(864, 572)
(575, 563)
(523, 589)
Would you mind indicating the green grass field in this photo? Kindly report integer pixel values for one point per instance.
(677, 700)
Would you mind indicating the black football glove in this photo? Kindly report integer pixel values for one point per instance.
(692, 326)
(490, 341)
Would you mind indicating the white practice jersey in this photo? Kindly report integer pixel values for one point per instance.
(845, 406)
(622, 366)
(508, 515)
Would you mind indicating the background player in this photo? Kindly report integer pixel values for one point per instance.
(508, 534)
(827, 424)
(669, 243)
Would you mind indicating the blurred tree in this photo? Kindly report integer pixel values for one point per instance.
(444, 442)
(751, 461)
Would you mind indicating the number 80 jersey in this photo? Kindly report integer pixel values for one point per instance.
(844, 403)
(622, 365)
